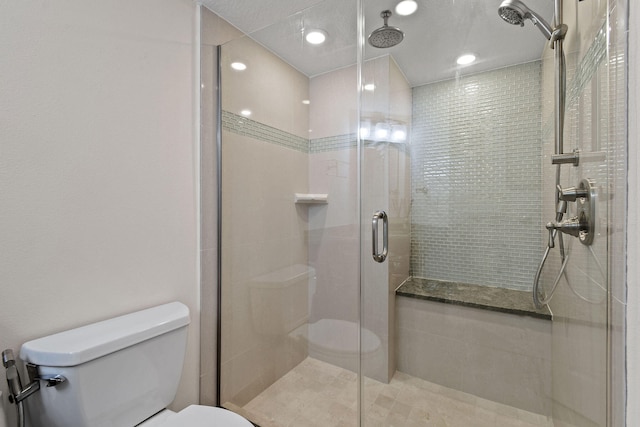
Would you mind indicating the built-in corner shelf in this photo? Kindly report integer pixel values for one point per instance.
(311, 199)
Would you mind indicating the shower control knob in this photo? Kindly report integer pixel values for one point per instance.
(571, 194)
(572, 226)
(583, 224)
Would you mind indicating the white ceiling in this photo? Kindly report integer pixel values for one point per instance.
(435, 35)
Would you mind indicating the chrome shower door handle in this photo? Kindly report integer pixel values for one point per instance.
(380, 256)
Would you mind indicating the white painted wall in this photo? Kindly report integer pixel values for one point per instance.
(98, 155)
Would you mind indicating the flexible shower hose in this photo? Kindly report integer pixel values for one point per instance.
(539, 299)
(20, 409)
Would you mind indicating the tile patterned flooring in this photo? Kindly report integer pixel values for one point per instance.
(315, 393)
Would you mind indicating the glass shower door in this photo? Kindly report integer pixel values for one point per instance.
(386, 199)
(457, 140)
(290, 237)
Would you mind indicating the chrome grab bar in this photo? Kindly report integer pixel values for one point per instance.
(380, 257)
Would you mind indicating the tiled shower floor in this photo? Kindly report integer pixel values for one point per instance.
(315, 393)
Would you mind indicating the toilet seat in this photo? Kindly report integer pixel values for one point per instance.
(197, 416)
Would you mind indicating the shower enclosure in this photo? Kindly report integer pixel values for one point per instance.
(374, 217)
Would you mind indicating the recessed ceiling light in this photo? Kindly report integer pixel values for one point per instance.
(406, 7)
(466, 59)
(370, 87)
(238, 66)
(245, 113)
(306, 102)
(315, 36)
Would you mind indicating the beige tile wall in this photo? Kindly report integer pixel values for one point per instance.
(263, 230)
(333, 108)
(270, 88)
(333, 229)
(500, 357)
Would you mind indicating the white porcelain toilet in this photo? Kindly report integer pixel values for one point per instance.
(281, 302)
(121, 372)
(336, 341)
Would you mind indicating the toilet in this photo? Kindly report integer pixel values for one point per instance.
(280, 305)
(280, 299)
(336, 342)
(119, 372)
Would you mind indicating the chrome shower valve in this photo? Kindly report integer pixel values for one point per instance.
(571, 226)
(572, 193)
(582, 225)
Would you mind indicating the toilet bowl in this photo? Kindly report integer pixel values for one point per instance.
(336, 341)
(280, 299)
(280, 305)
(197, 416)
(123, 371)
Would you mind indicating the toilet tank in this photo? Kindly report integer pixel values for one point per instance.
(280, 299)
(118, 372)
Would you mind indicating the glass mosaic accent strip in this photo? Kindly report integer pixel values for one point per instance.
(582, 75)
(476, 155)
(348, 141)
(244, 126)
(332, 143)
(588, 66)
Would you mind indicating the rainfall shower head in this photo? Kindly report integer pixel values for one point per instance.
(515, 12)
(385, 36)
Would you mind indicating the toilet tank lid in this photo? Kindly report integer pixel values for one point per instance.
(81, 345)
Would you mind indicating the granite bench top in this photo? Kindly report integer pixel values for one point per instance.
(484, 297)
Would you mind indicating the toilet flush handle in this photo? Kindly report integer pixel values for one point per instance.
(17, 393)
(51, 380)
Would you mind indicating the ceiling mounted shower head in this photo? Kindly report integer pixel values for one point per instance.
(385, 36)
(515, 12)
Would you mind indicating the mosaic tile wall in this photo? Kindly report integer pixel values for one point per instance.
(244, 126)
(330, 143)
(476, 178)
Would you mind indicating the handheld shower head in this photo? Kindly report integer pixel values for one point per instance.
(385, 36)
(515, 12)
